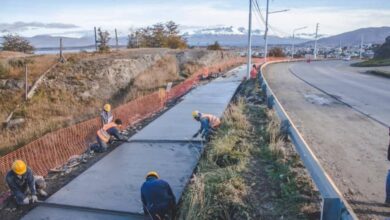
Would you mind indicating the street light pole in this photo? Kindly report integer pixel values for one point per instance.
(293, 41)
(266, 29)
(249, 64)
(315, 43)
(266, 33)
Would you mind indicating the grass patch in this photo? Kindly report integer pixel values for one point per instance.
(246, 172)
(372, 63)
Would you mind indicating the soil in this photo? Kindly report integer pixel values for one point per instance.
(266, 196)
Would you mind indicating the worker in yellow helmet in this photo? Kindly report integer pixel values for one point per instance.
(157, 197)
(23, 183)
(208, 124)
(106, 114)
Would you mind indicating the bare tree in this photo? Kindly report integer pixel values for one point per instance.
(104, 37)
(17, 43)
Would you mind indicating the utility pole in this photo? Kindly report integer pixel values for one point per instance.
(361, 48)
(266, 32)
(315, 42)
(293, 40)
(116, 39)
(26, 77)
(249, 41)
(96, 47)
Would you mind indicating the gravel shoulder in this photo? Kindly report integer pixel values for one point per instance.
(350, 146)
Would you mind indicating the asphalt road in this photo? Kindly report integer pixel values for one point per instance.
(366, 93)
(342, 114)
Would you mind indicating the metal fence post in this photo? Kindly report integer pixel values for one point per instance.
(331, 208)
(284, 126)
(270, 101)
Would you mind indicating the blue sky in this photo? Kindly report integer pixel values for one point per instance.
(334, 16)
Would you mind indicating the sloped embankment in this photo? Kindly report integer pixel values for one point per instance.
(76, 90)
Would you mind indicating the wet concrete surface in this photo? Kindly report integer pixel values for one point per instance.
(114, 182)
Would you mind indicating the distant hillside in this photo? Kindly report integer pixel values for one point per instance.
(236, 40)
(370, 35)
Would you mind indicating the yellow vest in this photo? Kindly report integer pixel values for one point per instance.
(214, 121)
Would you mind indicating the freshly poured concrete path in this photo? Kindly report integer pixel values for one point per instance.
(110, 189)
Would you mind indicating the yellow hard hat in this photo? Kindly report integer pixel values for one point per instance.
(19, 167)
(107, 107)
(152, 173)
(195, 114)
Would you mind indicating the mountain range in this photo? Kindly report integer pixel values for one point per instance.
(371, 35)
(226, 36)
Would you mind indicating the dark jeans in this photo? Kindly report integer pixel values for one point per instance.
(100, 146)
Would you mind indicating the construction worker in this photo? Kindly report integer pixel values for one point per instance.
(23, 183)
(106, 114)
(253, 72)
(104, 135)
(157, 197)
(208, 124)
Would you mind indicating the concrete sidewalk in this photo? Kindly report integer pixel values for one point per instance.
(110, 189)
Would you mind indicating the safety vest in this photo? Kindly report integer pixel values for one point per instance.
(214, 121)
(102, 133)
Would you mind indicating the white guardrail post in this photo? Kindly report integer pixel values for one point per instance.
(334, 206)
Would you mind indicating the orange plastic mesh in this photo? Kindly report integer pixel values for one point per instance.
(55, 148)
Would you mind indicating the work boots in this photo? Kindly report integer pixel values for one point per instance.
(42, 192)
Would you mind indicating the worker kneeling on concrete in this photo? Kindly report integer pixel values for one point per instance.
(23, 184)
(157, 197)
(208, 124)
(104, 136)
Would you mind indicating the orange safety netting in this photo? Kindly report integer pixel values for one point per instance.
(55, 148)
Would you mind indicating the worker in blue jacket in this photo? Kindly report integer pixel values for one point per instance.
(23, 184)
(157, 197)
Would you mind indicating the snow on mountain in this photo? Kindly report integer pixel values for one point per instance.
(217, 30)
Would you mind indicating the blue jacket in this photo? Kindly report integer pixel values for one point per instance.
(156, 195)
(18, 186)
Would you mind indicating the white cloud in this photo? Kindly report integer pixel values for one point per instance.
(332, 20)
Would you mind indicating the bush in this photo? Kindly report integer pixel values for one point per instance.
(4, 71)
(276, 52)
(158, 35)
(383, 52)
(214, 46)
(17, 43)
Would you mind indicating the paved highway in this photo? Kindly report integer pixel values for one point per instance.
(366, 93)
(343, 115)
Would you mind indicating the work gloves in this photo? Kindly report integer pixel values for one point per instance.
(34, 199)
(26, 201)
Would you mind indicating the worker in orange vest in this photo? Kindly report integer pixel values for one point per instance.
(208, 124)
(253, 72)
(104, 136)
